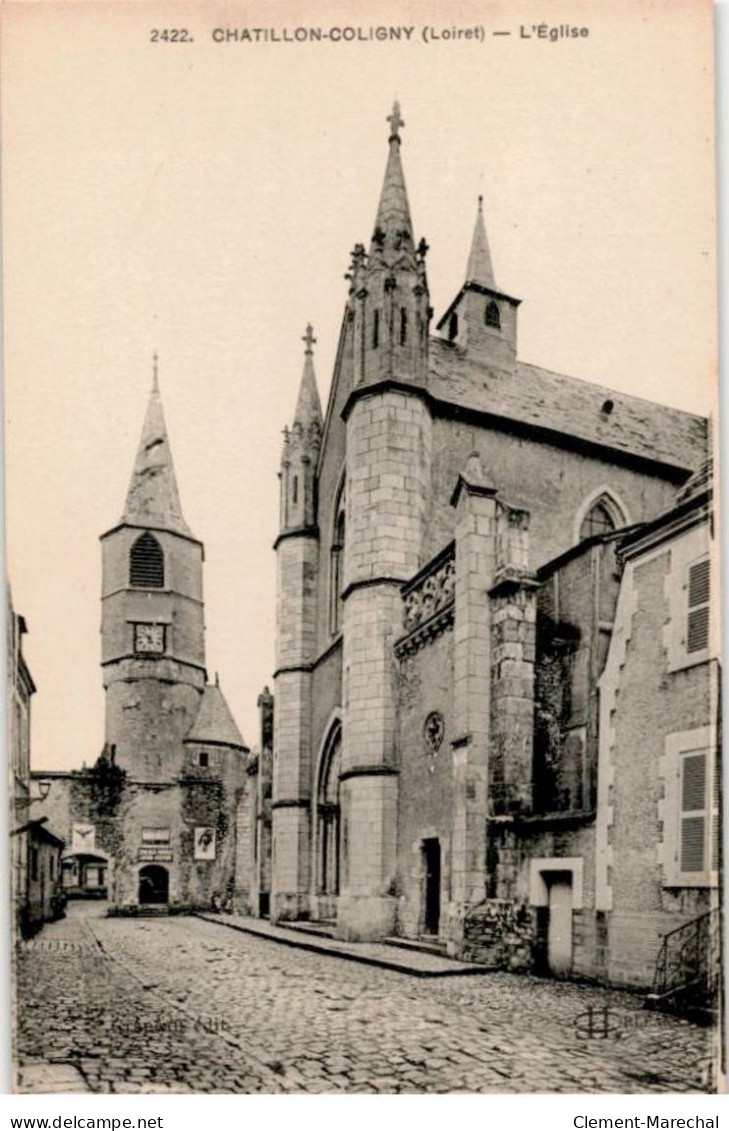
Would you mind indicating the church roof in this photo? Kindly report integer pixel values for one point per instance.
(308, 405)
(153, 498)
(215, 725)
(480, 269)
(567, 405)
(393, 212)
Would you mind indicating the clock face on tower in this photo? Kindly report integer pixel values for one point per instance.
(149, 638)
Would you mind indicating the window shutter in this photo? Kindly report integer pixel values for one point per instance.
(715, 819)
(693, 813)
(698, 605)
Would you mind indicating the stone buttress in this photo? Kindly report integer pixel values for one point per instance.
(388, 469)
(297, 552)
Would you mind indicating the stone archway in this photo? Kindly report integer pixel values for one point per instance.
(328, 826)
(154, 884)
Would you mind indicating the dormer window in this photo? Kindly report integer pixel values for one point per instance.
(453, 328)
(493, 315)
(147, 563)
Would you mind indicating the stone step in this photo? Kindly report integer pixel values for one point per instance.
(321, 928)
(426, 944)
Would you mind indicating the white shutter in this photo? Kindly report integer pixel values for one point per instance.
(697, 636)
(692, 849)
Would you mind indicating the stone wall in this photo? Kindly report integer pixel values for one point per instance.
(550, 482)
(502, 934)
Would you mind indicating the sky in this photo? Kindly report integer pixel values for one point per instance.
(201, 199)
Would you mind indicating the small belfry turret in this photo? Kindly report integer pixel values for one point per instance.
(301, 448)
(482, 319)
(389, 298)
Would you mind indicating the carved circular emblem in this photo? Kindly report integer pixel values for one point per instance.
(433, 732)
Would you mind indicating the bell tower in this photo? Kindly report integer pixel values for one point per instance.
(152, 616)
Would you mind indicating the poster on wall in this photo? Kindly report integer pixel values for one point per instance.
(205, 843)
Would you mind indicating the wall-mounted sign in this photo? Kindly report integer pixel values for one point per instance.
(205, 843)
(83, 838)
(158, 855)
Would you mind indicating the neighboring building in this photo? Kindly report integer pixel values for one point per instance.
(658, 835)
(154, 820)
(35, 850)
(253, 860)
(45, 897)
(443, 619)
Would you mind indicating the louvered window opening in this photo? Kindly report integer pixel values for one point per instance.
(493, 316)
(147, 563)
(697, 637)
(700, 826)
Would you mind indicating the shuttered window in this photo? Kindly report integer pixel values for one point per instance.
(147, 563)
(697, 636)
(699, 817)
(693, 812)
(715, 819)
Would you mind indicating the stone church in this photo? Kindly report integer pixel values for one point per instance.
(450, 561)
(153, 821)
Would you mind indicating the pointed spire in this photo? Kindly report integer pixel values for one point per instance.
(393, 213)
(308, 405)
(480, 269)
(215, 725)
(153, 498)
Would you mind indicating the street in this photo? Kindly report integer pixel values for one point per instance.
(176, 1004)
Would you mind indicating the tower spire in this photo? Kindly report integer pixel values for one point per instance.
(308, 406)
(393, 213)
(153, 498)
(480, 269)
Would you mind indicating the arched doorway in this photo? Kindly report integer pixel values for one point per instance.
(154, 884)
(328, 836)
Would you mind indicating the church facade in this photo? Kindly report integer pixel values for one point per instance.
(449, 567)
(153, 821)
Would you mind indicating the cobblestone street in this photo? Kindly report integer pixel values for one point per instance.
(182, 1005)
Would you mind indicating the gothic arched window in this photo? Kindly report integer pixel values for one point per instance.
(493, 315)
(403, 325)
(336, 564)
(147, 563)
(598, 520)
(376, 329)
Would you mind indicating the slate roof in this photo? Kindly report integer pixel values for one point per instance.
(215, 724)
(153, 498)
(567, 405)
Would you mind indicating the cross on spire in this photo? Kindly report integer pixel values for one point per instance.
(309, 338)
(155, 372)
(396, 122)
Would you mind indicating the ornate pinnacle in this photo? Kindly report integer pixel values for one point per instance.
(396, 122)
